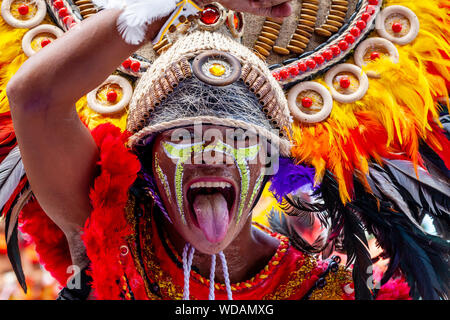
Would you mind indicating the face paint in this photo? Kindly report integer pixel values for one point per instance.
(181, 153)
(241, 157)
(162, 177)
(256, 188)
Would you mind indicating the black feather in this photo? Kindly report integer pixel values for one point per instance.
(345, 223)
(428, 193)
(356, 247)
(279, 224)
(13, 250)
(422, 257)
(433, 162)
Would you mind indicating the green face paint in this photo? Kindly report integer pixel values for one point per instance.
(183, 152)
(256, 188)
(162, 177)
(241, 157)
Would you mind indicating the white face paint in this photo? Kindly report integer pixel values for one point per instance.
(183, 152)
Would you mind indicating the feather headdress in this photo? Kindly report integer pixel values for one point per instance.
(380, 164)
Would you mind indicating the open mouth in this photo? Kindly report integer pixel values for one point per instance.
(211, 203)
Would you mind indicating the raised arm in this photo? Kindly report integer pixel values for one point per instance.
(58, 151)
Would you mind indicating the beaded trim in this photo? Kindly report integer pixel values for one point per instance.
(181, 70)
(334, 50)
(254, 281)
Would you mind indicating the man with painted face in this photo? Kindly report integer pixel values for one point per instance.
(169, 215)
(205, 155)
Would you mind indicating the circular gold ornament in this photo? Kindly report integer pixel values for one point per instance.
(99, 98)
(216, 68)
(32, 18)
(29, 46)
(320, 102)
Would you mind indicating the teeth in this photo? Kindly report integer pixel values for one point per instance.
(210, 184)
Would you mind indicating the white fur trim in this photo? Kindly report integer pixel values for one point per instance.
(137, 15)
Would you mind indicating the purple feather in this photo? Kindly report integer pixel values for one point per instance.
(290, 177)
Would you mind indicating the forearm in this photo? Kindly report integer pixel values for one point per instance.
(74, 64)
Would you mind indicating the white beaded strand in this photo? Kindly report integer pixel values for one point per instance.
(212, 274)
(226, 275)
(187, 264)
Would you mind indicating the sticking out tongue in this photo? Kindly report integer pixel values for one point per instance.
(212, 215)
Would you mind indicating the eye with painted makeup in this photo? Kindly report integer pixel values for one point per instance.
(184, 136)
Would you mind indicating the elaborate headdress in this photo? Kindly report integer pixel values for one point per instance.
(353, 94)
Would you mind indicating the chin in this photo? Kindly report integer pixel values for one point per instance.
(206, 247)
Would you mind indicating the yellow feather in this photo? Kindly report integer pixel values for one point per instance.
(402, 101)
(12, 57)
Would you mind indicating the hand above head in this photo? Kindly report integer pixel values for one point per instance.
(267, 8)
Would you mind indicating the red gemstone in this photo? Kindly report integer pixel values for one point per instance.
(68, 20)
(361, 24)
(336, 50)
(284, 74)
(397, 27)
(111, 96)
(210, 15)
(58, 4)
(328, 54)
(307, 102)
(302, 66)
(343, 45)
(126, 64)
(373, 2)
(45, 42)
(293, 70)
(371, 10)
(344, 82)
(310, 63)
(63, 12)
(319, 59)
(355, 31)
(135, 66)
(23, 9)
(374, 55)
(349, 38)
(276, 75)
(365, 17)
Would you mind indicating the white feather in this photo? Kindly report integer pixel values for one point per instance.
(11, 183)
(137, 15)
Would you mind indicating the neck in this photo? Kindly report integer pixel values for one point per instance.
(246, 255)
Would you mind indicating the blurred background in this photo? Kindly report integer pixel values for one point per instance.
(41, 286)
